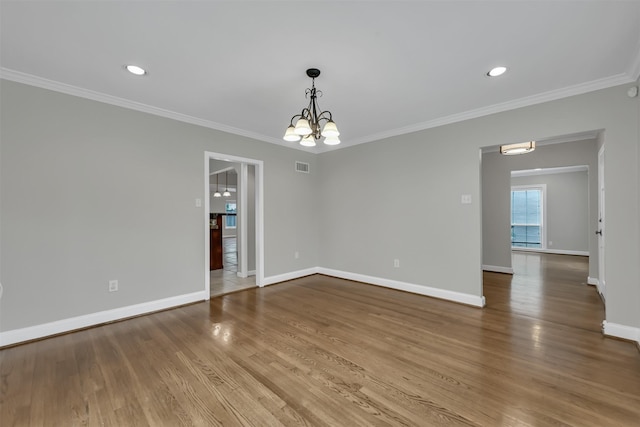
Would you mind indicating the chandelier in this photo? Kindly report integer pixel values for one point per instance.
(307, 128)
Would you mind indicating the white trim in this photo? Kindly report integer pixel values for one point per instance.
(244, 207)
(551, 251)
(74, 323)
(621, 331)
(497, 269)
(592, 281)
(207, 232)
(601, 224)
(474, 300)
(247, 274)
(289, 276)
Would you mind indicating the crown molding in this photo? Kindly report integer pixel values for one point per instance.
(618, 79)
(29, 79)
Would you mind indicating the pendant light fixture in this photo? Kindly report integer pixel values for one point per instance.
(217, 193)
(226, 185)
(307, 128)
(519, 148)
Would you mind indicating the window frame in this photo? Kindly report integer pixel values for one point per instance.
(543, 214)
(227, 216)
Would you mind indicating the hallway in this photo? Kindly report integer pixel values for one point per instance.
(226, 280)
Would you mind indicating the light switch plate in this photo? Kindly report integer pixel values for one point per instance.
(465, 199)
(198, 203)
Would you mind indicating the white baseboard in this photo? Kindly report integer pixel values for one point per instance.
(289, 276)
(477, 301)
(244, 276)
(66, 325)
(621, 331)
(592, 281)
(565, 252)
(552, 251)
(497, 269)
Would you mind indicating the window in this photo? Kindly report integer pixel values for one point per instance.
(527, 217)
(230, 220)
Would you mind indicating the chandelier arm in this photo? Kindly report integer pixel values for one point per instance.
(323, 117)
(292, 118)
(301, 116)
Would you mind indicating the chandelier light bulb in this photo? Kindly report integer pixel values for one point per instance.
(308, 141)
(302, 127)
(331, 140)
(291, 135)
(330, 129)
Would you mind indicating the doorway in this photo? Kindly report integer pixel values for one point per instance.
(248, 238)
(569, 163)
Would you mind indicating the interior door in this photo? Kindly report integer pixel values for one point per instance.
(601, 225)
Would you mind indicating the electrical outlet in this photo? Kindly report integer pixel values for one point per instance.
(296, 255)
(198, 203)
(113, 285)
(396, 263)
(550, 243)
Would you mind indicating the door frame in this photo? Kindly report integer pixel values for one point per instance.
(259, 214)
(601, 283)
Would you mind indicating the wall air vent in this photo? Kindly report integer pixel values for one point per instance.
(302, 167)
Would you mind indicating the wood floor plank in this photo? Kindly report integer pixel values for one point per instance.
(320, 351)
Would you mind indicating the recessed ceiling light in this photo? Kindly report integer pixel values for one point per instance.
(497, 71)
(134, 69)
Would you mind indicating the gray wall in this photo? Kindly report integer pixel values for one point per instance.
(424, 174)
(496, 187)
(400, 199)
(567, 209)
(119, 188)
(93, 192)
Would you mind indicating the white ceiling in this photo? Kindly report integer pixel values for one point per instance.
(388, 67)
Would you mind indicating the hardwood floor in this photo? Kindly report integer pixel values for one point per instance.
(328, 352)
